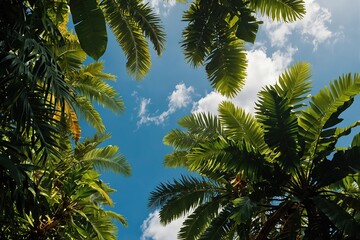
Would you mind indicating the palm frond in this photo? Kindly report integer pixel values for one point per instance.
(226, 65)
(118, 217)
(108, 158)
(197, 221)
(149, 22)
(294, 84)
(323, 105)
(240, 126)
(87, 110)
(181, 196)
(176, 159)
(102, 193)
(279, 125)
(180, 140)
(280, 10)
(329, 138)
(129, 35)
(220, 226)
(202, 124)
(70, 56)
(227, 157)
(342, 164)
(356, 141)
(197, 36)
(90, 82)
(338, 216)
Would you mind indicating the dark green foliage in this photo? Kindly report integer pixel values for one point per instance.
(279, 174)
(216, 33)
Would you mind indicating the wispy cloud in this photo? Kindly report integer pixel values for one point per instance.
(179, 98)
(153, 230)
(313, 27)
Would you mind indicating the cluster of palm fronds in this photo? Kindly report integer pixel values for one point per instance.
(277, 174)
(49, 184)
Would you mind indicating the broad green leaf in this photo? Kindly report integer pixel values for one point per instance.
(90, 26)
(339, 217)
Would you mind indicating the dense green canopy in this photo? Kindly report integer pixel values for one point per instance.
(277, 174)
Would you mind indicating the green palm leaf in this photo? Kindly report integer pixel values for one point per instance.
(284, 10)
(220, 226)
(226, 65)
(202, 124)
(197, 221)
(197, 36)
(117, 217)
(148, 22)
(180, 140)
(90, 26)
(240, 126)
(108, 158)
(90, 83)
(339, 217)
(294, 84)
(87, 110)
(129, 35)
(279, 125)
(181, 196)
(69, 57)
(323, 105)
(176, 159)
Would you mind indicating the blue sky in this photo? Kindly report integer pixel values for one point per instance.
(328, 38)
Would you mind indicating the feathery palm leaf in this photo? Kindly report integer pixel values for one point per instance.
(240, 125)
(181, 196)
(294, 84)
(224, 74)
(323, 105)
(196, 222)
(280, 10)
(149, 23)
(279, 126)
(89, 113)
(108, 158)
(129, 35)
(202, 124)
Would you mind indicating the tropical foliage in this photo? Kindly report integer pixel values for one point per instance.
(131, 21)
(217, 30)
(68, 196)
(50, 185)
(277, 174)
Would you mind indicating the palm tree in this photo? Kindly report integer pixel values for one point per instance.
(73, 196)
(44, 87)
(217, 30)
(278, 174)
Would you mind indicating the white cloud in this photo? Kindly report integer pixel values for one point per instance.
(153, 230)
(262, 70)
(209, 103)
(313, 27)
(161, 6)
(143, 106)
(179, 98)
